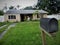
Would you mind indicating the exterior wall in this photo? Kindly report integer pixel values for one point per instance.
(34, 17)
(6, 17)
(40, 16)
(43, 15)
(12, 20)
(18, 18)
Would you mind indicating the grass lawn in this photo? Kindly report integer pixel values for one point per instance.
(3, 29)
(2, 23)
(28, 33)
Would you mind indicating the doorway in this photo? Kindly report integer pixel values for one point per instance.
(22, 17)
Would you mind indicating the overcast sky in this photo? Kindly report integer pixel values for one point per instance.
(22, 3)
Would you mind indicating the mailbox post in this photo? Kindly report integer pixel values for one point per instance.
(49, 26)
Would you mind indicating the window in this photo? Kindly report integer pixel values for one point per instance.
(11, 17)
(8, 17)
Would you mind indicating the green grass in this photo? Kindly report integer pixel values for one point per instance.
(28, 33)
(4, 28)
(2, 23)
(56, 39)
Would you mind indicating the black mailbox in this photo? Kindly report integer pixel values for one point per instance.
(49, 24)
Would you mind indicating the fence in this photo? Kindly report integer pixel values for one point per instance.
(1, 18)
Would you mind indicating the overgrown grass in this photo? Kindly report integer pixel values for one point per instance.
(28, 33)
(4, 28)
(2, 23)
(56, 39)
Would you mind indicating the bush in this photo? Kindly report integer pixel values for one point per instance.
(1, 12)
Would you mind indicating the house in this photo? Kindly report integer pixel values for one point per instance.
(14, 15)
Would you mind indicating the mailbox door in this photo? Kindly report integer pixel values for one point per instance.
(53, 26)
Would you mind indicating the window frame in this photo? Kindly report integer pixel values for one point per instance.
(12, 17)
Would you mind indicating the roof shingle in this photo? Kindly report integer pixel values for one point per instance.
(14, 11)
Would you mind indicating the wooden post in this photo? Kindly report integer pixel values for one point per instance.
(43, 35)
(43, 38)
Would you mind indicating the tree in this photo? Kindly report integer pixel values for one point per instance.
(5, 7)
(18, 6)
(41, 4)
(38, 4)
(28, 8)
(36, 12)
(11, 7)
(1, 12)
(58, 4)
(52, 7)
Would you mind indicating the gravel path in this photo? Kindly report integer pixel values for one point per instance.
(3, 33)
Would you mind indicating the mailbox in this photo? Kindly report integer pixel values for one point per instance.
(49, 24)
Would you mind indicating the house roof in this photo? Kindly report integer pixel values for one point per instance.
(14, 11)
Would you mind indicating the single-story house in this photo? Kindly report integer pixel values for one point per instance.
(14, 15)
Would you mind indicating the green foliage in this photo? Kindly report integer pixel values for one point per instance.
(18, 6)
(2, 23)
(28, 8)
(1, 12)
(41, 4)
(36, 12)
(28, 33)
(3, 29)
(11, 7)
(52, 6)
(25, 33)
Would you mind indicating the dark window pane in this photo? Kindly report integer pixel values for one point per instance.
(12, 17)
(8, 17)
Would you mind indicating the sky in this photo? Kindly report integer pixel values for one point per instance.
(22, 3)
